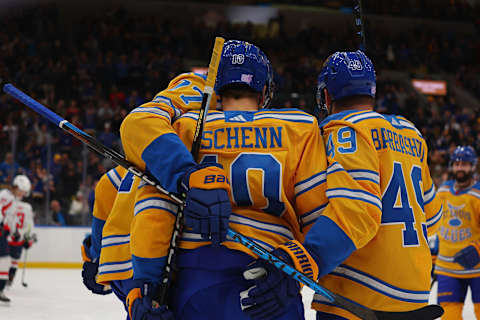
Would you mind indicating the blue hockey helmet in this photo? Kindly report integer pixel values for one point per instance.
(346, 74)
(243, 62)
(464, 153)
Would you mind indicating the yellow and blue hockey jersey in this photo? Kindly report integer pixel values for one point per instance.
(275, 161)
(115, 261)
(460, 226)
(105, 194)
(381, 207)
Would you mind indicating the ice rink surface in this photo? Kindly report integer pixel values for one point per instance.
(58, 294)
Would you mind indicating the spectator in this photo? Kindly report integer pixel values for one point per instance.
(57, 215)
(8, 169)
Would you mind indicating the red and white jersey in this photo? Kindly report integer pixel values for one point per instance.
(7, 200)
(19, 219)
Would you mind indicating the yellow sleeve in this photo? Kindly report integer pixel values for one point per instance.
(151, 231)
(431, 202)
(310, 180)
(354, 201)
(148, 138)
(353, 214)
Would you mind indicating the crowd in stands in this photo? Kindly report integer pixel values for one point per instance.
(95, 71)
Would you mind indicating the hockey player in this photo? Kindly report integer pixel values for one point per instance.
(151, 120)
(20, 222)
(20, 187)
(457, 265)
(370, 243)
(277, 191)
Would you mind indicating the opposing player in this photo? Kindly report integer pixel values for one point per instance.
(20, 187)
(370, 243)
(457, 265)
(276, 187)
(20, 222)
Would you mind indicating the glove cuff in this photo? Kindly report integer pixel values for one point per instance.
(85, 255)
(206, 176)
(302, 260)
(133, 295)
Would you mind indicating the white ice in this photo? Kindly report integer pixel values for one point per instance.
(58, 294)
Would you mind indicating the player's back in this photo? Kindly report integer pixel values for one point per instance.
(386, 157)
(275, 163)
(460, 226)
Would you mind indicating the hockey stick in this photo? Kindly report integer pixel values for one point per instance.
(197, 140)
(429, 312)
(358, 16)
(23, 269)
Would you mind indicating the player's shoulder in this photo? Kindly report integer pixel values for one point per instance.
(212, 116)
(446, 186)
(187, 78)
(292, 115)
(475, 190)
(24, 205)
(6, 195)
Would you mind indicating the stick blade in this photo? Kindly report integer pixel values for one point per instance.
(429, 312)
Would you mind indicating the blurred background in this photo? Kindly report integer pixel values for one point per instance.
(94, 61)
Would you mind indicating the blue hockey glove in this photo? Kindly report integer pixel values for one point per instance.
(141, 306)
(274, 290)
(469, 256)
(207, 205)
(90, 270)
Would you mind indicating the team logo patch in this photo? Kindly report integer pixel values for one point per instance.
(247, 78)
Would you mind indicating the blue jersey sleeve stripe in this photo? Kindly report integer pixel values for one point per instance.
(115, 267)
(386, 293)
(148, 269)
(328, 244)
(97, 228)
(310, 187)
(115, 244)
(279, 230)
(436, 218)
(312, 215)
(116, 236)
(167, 158)
(155, 203)
(114, 179)
(115, 262)
(322, 174)
(355, 194)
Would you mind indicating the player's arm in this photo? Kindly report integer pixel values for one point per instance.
(147, 135)
(353, 215)
(105, 194)
(310, 201)
(151, 231)
(431, 202)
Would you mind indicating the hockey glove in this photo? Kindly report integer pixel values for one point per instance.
(274, 290)
(90, 270)
(207, 204)
(469, 256)
(141, 306)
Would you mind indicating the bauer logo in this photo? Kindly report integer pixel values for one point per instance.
(238, 59)
(247, 78)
